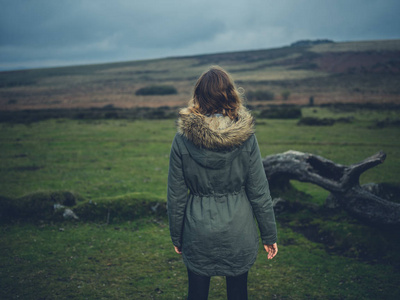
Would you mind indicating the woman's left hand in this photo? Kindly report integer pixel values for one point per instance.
(177, 250)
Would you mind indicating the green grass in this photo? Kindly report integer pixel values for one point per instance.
(95, 159)
(135, 260)
(106, 158)
(89, 261)
(112, 161)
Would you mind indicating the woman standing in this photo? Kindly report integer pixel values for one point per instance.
(216, 185)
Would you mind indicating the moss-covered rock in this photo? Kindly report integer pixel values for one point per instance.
(37, 206)
(51, 206)
(121, 208)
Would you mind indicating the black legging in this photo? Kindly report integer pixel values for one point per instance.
(199, 285)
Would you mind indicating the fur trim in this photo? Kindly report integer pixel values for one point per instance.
(216, 132)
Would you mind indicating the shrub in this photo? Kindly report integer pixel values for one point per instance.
(346, 120)
(111, 115)
(281, 113)
(311, 121)
(157, 90)
(386, 123)
(260, 95)
(285, 95)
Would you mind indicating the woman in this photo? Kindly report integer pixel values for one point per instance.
(216, 185)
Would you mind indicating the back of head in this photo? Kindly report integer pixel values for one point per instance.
(215, 92)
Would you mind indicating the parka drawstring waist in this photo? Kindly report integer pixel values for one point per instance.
(218, 195)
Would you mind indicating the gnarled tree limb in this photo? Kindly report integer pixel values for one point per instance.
(342, 181)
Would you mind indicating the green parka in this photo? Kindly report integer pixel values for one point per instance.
(216, 185)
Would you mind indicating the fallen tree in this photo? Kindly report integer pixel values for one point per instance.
(342, 181)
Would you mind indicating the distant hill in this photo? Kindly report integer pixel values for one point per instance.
(331, 72)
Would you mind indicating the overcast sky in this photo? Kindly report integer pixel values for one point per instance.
(46, 33)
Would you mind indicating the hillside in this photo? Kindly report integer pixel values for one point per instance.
(330, 72)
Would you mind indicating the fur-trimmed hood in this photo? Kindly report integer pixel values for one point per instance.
(216, 132)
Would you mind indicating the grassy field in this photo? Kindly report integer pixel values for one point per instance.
(133, 258)
(103, 158)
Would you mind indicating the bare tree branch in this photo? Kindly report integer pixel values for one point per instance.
(342, 181)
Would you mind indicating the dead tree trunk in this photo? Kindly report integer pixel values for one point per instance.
(341, 181)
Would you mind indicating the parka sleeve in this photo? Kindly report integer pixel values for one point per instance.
(257, 190)
(176, 195)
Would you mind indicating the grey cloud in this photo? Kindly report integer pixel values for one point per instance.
(48, 23)
(44, 31)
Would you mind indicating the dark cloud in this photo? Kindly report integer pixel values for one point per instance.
(48, 33)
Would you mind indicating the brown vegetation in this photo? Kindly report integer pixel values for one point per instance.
(357, 72)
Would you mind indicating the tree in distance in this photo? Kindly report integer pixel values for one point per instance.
(156, 90)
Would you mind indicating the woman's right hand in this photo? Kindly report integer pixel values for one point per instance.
(272, 250)
(177, 250)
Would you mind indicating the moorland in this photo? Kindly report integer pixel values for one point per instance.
(93, 148)
(352, 72)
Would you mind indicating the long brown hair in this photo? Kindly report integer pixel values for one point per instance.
(215, 92)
